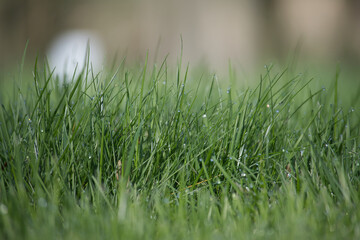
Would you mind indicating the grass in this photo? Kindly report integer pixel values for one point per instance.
(152, 153)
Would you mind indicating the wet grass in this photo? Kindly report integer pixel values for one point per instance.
(152, 153)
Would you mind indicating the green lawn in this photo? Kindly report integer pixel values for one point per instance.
(155, 153)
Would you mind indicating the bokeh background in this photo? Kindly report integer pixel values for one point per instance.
(249, 32)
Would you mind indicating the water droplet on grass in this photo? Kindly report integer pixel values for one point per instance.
(42, 202)
(3, 209)
(243, 174)
(204, 116)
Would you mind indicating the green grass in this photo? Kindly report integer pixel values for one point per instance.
(199, 159)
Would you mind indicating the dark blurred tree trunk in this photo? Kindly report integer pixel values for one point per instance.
(351, 32)
(33, 20)
(13, 16)
(270, 30)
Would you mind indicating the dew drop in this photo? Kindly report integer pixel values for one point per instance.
(204, 116)
(42, 203)
(3, 209)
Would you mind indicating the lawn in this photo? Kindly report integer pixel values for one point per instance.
(163, 152)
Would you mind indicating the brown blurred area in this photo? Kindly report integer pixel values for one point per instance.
(246, 31)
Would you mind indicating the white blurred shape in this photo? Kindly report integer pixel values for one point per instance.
(68, 53)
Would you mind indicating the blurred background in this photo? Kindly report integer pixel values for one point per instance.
(249, 32)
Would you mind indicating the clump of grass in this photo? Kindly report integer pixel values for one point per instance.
(139, 153)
